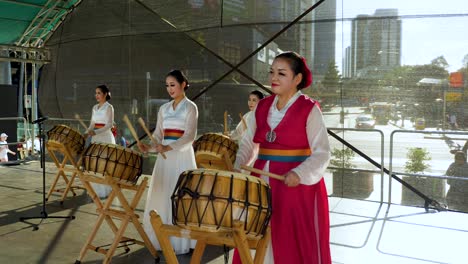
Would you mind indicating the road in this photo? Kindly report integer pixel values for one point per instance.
(370, 142)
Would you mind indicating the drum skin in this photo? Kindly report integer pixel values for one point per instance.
(114, 160)
(210, 200)
(67, 136)
(210, 149)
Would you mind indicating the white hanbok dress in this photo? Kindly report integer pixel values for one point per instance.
(176, 128)
(102, 120)
(241, 128)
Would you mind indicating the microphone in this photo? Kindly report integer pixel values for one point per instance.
(40, 120)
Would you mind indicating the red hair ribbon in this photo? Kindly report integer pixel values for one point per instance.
(307, 74)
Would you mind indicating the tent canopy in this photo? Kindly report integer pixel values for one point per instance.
(29, 23)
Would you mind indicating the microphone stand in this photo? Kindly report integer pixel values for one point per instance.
(43, 214)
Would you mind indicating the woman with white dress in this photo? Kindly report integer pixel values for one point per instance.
(176, 129)
(99, 129)
(254, 97)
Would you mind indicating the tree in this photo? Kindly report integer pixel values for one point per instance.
(465, 61)
(417, 158)
(341, 158)
(332, 76)
(440, 61)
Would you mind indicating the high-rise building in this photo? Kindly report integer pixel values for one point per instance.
(323, 38)
(375, 43)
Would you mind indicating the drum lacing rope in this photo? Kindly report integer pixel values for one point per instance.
(211, 199)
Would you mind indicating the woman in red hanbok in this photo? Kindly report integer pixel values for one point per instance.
(287, 136)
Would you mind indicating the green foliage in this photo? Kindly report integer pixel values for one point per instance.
(409, 76)
(440, 62)
(332, 77)
(417, 158)
(341, 158)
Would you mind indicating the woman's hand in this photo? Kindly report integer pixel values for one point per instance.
(292, 179)
(162, 148)
(143, 147)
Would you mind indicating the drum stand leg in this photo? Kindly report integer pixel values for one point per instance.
(262, 247)
(62, 168)
(163, 238)
(241, 243)
(126, 216)
(198, 252)
(235, 238)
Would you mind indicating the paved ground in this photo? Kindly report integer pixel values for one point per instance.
(362, 232)
(59, 240)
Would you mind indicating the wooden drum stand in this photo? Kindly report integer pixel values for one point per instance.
(106, 213)
(119, 168)
(235, 238)
(68, 164)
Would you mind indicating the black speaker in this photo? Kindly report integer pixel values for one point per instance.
(9, 109)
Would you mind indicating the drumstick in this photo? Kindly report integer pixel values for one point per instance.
(264, 173)
(130, 127)
(225, 123)
(143, 125)
(77, 117)
(243, 121)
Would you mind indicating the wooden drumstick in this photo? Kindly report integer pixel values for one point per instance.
(131, 128)
(264, 173)
(143, 125)
(225, 123)
(243, 121)
(77, 117)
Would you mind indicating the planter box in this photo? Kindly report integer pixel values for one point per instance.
(353, 184)
(433, 188)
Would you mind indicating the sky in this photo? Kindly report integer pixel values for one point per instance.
(444, 33)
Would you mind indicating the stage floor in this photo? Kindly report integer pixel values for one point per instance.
(361, 231)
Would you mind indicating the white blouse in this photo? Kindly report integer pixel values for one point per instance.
(312, 169)
(102, 115)
(184, 117)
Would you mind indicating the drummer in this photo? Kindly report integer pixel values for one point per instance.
(254, 97)
(99, 129)
(176, 129)
(288, 137)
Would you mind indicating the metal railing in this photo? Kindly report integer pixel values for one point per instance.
(437, 132)
(382, 153)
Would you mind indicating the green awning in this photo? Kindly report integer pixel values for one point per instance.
(41, 17)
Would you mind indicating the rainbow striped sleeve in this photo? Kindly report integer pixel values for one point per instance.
(283, 155)
(173, 134)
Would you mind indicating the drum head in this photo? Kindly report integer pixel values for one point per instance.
(214, 151)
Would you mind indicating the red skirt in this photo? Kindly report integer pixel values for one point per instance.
(300, 226)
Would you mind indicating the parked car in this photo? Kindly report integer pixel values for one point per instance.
(365, 121)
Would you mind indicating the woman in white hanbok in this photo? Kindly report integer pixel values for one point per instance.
(99, 129)
(254, 97)
(176, 129)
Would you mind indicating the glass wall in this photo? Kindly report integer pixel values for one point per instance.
(379, 67)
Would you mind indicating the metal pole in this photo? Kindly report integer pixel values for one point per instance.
(444, 109)
(148, 78)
